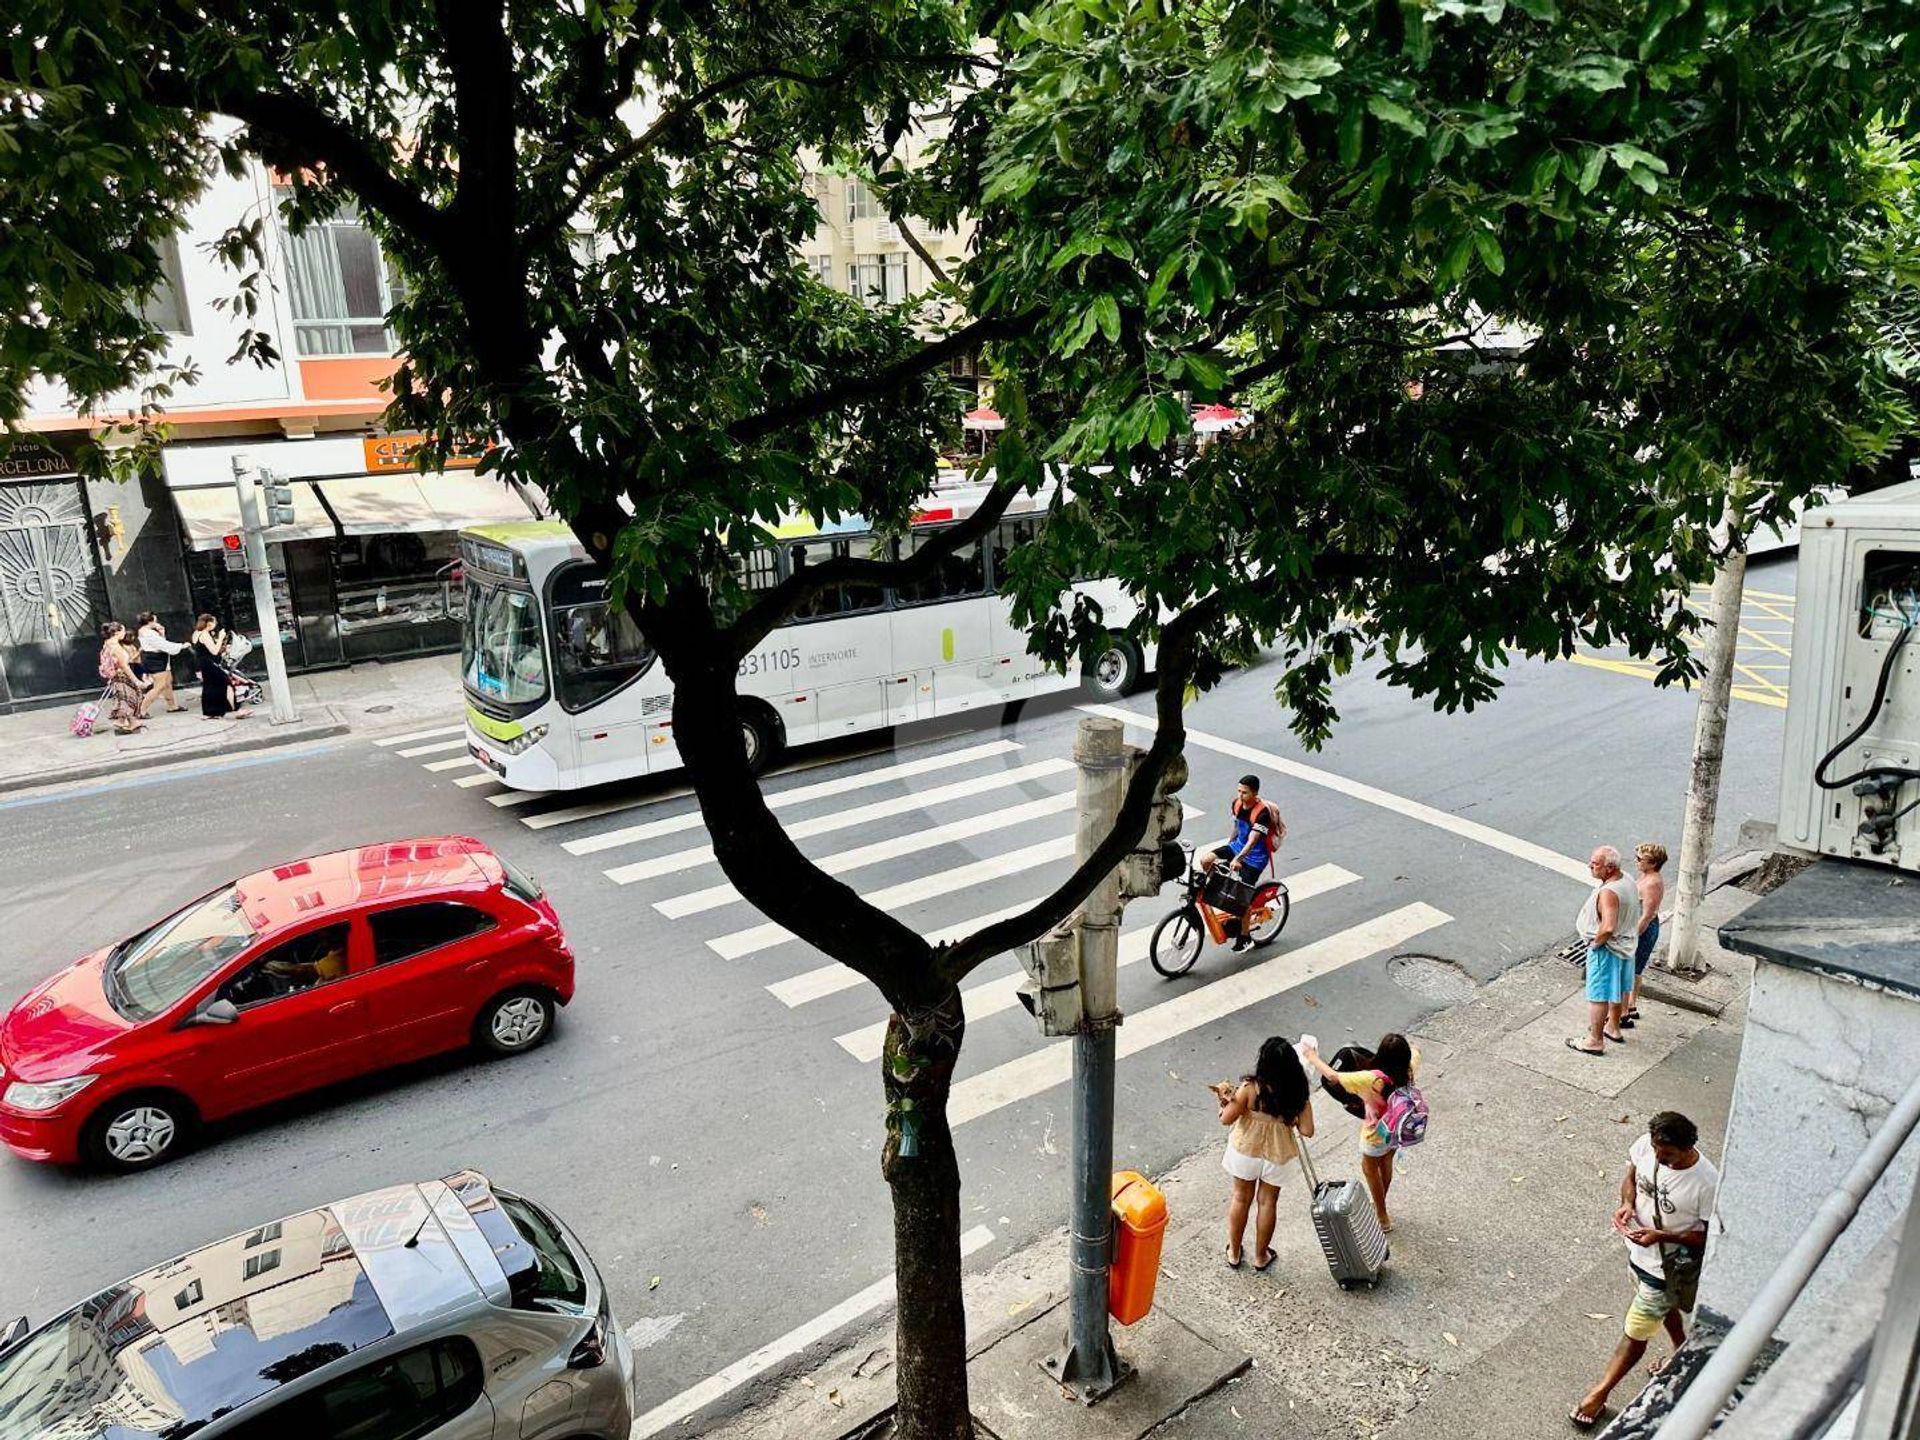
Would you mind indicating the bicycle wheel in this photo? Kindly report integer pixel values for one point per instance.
(1176, 942)
(1267, 916)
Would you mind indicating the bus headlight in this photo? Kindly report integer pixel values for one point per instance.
(524, 741)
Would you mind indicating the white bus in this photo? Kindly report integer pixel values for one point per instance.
(563, 692)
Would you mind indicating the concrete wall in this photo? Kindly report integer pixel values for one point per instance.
(1822, 1063)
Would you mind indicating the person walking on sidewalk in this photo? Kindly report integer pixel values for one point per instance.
(216, 686)
(1610, 924)
(156, 656)
(124, 688)
(1264, 1110)
(1648, 858)
(1395, 1064)
(1666, 1199)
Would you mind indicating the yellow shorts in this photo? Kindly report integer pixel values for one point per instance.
(1648, 1308)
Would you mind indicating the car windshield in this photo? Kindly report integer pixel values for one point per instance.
(151, 973)
(501, 657)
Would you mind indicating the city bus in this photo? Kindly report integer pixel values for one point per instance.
(563, 691)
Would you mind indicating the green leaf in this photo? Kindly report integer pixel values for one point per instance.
(1491, 255)
(1107, 313)
(1163, 278)
(1208, 374)
(1394, 113)
(1591, 165)
(1353, 125)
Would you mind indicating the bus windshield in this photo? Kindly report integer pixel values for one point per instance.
(500, 651)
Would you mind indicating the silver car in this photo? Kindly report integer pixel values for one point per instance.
(450, 1310)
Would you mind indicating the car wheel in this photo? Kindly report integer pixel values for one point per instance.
(514, 1022)
(759, 737)
(1114, 672)
(137, 1132)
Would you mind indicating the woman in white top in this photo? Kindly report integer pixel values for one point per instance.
(156, 656)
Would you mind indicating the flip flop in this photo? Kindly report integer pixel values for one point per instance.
(1628, 1023)
(1583, 1050)
(1616, 1039)
(1661, 1366)
(1233, 1263)
(1272, 1255)
(1583, 1420)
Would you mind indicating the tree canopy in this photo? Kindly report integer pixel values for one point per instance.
(1510, 288)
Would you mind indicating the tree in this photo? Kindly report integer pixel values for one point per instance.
(1316, 209)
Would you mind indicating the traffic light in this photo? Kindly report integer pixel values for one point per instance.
(1158, 857)
(277, 497)
(234, 549)
(1051, 991)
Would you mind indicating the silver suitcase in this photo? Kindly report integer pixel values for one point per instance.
(1349, 1230)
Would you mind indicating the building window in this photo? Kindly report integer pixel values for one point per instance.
(877, 278)
(263, 1235)
(342, 288)
(822, 267)
(860, 202)
(189, 1297)
(166, 308)
(260, 1264)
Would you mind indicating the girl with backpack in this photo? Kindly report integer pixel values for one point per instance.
(1264, 1110)
(1395, 1112)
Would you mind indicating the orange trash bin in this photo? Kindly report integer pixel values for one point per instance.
(1139, 1223)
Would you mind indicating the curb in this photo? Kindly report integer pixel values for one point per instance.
(263, 739)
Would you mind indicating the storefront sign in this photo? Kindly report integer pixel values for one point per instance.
(395, 452)
(31, 462)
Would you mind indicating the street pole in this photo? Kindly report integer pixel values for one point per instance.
(1709, 748)
(1088, 1365)
(264, 608)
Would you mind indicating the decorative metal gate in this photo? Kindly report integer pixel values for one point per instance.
(50, 588)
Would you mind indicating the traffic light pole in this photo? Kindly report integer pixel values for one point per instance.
(1088, 1365)
(265, 609)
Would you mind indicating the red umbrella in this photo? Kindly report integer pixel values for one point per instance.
(983, 419)
(1210, 419)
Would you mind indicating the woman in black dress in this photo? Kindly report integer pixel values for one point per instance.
(216, 690)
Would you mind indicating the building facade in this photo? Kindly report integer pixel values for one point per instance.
(366, 571)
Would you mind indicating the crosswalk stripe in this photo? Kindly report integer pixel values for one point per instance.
(754, 939)
(990, 997)
(456, 763)
(699, 855)
(386, 740)
(832, 978)
(1042, 1069)
(467, 782)
(515, 797)
(678, 907)
(439, 747)
(547, 819)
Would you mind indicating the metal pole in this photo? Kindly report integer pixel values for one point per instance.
(1709, 748)
(1088, 1365)
(1891, 1391)
(264, 608)
(1700, 1406)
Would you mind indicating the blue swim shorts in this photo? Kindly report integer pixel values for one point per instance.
(1643, 952)
(1609, 976)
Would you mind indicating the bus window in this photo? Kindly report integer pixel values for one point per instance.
(836, 599)
(1010, 536)
(599, 650)
(961, 574)
(501, 656)
(758, 569)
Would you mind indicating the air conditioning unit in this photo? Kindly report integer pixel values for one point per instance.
(1850, 777)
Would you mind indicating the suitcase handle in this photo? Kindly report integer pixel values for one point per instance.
(1306, 1163)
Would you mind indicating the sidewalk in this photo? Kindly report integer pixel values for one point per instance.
(1506, 1289)
(38, 749)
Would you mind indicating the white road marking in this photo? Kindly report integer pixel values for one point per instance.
(832, 978)
(691, 1401)
(386, 740)
(990, 997)
(799, 795)
(439, 747)
(516, 797)
(467, 782)
(1042, 1069)
(456, 763)
(764, 937)
(698, 855)
(695, 902)
(1413, 809)
(647, 1333)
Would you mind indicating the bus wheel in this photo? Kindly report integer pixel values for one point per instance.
(760, 737)
(1113, 673)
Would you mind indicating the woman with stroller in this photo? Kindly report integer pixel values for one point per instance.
(216, 685)
(1264, 1110)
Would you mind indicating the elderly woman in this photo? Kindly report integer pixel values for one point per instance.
(125, 690)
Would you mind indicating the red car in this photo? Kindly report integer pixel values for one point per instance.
(288, 980)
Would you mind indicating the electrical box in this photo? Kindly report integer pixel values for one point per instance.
(1850, 777)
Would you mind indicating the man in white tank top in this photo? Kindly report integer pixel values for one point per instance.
(1610, 924)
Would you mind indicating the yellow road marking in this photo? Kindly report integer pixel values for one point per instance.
(1622, 667)
(1771, 595)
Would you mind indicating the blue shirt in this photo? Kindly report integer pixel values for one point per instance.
(1254, 820)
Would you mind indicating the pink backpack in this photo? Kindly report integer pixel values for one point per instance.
(84, 719)
(1405, 1117)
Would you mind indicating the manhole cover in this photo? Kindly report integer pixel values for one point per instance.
(378, 709)
(1432, 976)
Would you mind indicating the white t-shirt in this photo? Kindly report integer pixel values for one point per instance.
(1685, 1200)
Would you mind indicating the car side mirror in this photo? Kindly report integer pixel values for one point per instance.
(13, 1334)
(214, 1012)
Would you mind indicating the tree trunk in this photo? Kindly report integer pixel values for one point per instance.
(919, 1163)
(1709, 748)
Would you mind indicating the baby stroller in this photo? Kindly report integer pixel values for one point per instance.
(247, 691)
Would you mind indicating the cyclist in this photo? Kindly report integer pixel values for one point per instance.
(1257, 829)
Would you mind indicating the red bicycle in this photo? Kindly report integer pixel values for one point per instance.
(1213, 902)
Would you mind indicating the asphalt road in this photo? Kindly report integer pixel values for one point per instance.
(716, 1145)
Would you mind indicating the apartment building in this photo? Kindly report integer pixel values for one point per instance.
(367, 568)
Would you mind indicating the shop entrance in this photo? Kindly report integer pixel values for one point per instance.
(52, 600)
